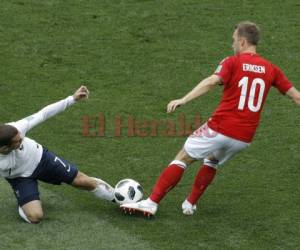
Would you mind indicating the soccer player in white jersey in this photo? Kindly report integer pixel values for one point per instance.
(246, 78)
(23, 162)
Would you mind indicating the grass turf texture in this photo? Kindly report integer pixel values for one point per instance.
(135, 56)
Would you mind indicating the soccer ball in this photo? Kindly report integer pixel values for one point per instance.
(128, 191)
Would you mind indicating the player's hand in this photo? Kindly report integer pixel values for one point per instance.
(81, 93)
(174, 105)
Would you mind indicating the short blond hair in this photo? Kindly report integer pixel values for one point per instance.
(248, 30)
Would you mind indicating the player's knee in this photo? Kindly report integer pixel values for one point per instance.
(35, 216)
(78, 180)
(211, 162)
(183, 157)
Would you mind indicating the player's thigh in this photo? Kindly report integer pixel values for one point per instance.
(234, 147)
(183, 156)
(25, 189)
(27, 194)
(55, 170)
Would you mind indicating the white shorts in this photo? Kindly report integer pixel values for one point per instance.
(205, 142)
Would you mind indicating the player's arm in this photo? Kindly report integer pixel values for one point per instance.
(282, 83)
(203, 87)
(49, 111)
(294, 94)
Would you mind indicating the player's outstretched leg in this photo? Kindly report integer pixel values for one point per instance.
(167, 180)
(204, 177)
(98, 187)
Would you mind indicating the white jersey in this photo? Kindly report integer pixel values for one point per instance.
(23, 161)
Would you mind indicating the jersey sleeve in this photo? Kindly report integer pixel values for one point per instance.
(31, 121)
(21, 126)
(225, 69)
(281, 82)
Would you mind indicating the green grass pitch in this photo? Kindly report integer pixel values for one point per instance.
(135, 56)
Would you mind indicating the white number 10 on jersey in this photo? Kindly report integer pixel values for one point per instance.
(244, 84)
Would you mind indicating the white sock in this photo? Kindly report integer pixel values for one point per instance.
(23, 215)
(103, 190)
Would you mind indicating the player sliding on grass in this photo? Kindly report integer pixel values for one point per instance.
(246, 78)
(23, 162)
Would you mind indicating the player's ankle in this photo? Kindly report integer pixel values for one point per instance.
(104, 192)
(151, 202)
(190, 201)
(153, 198)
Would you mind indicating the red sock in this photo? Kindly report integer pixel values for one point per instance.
(204, 177)
(166, 181)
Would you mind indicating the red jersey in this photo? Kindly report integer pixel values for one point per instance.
(247, 79)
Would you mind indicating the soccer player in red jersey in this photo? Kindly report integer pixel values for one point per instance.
(246, 78)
